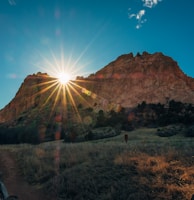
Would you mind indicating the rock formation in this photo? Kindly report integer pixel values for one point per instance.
(126, 82)
(152, 78)
(30, 96)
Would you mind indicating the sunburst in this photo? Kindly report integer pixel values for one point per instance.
(61, 88)
(64, 77)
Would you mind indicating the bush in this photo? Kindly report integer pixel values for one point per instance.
(103, 132)
(167, 131)
(189, 132)
(21, 134)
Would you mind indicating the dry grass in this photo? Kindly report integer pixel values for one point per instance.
(166, 173)
(147, 167)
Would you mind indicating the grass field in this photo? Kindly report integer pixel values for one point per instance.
(146, 167)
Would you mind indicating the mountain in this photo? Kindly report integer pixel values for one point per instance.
(126, 82)
(153, 78)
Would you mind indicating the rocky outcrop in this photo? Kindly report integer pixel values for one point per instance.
(153, 78)
(125, 82)
(30, 95)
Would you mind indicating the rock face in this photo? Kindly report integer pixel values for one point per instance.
(126, 82)
(28, 98)
(152, 78)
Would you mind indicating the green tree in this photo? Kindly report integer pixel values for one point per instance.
(101, 119)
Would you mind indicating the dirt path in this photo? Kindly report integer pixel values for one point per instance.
(14, 182)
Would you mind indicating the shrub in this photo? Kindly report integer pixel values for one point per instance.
(167, 131)
(190, 132)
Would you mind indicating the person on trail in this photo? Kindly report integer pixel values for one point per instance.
(126, 138)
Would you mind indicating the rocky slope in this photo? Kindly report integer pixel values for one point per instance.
(30, 97)
(126, 82)
(153, 78)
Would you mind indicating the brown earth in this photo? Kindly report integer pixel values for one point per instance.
(15, 183)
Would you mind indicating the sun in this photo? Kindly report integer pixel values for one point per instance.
(63, 78)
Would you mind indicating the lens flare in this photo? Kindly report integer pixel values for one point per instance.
(63, 91)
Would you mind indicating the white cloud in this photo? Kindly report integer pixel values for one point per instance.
(132, 15)
(150, 3)
(139, 17)
(141, 13)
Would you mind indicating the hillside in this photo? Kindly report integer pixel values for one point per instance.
(126, 82)
(153, 78)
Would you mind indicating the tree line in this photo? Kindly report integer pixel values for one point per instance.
(144, 115)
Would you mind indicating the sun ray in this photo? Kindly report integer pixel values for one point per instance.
(59, 92)
(57, 97)
(73, 103)
(50, 96)
(78, 93)
(46, 88)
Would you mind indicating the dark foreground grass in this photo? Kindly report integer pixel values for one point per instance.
(111, 170)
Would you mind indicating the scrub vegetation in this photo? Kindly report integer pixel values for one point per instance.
(126, 119)
(115, 158)
(146, 167)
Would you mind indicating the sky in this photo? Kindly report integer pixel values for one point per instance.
(83, 36)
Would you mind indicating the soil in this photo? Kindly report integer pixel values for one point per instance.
(15, 183)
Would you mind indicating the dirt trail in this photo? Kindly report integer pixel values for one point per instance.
(14, 182)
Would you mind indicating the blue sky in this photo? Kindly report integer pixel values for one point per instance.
(39, 35)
